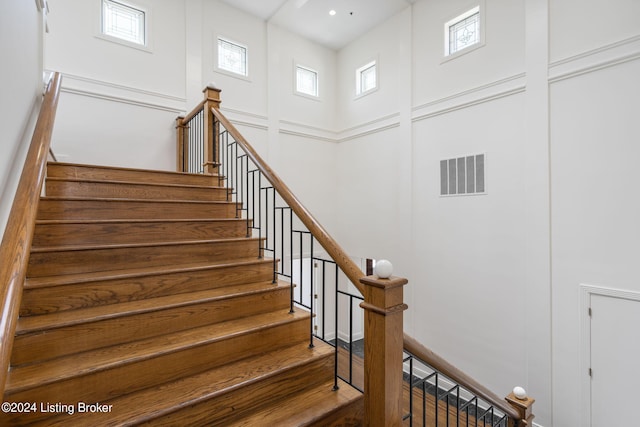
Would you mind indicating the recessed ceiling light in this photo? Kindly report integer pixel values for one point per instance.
(332, 12)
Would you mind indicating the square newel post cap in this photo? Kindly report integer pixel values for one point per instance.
(212, 93)
(523, 406)
(391, 282)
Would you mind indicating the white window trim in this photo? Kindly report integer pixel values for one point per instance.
(359, 70)
(216, 67)
(297, 65)
(478, 8)
(144, 7)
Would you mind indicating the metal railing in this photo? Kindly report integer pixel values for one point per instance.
(434, 399)
(325, 282)
(319, 286)
(193, 143)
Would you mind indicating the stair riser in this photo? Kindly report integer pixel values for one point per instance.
(43, 345)
(52, 209)
(221, 410)
(90, 294)
(128, 378)
(65, 170)
(135, 232)
(53, 263)
(55, 188)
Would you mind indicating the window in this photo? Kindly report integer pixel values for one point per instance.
(124, 22)
(462, 31)
(462, 175)
(366, 78)
(306, 81)
(232, 57)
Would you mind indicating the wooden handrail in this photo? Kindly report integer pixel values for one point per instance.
(16, 243)
(412, 346)
(193, 112)
(350, 268)
(355, 274)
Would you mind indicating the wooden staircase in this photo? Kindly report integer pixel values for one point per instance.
(146, 298)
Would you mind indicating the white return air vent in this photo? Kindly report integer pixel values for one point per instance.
(462, 176)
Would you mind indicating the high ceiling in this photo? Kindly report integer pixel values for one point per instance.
(311, 18)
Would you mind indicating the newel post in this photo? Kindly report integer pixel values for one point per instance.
(523, 404)
(180, 132)
(383, 334)
(211, 134)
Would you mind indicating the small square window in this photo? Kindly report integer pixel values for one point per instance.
(232, 57)
(462, 31)
(306, 81)
(366, 78)
(123, 22)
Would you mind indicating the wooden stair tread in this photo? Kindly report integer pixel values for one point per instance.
(136, 200)
(155, 402)
(139, 245)
(29, 376)
(302, 409)
(119, 169)
(135, 221)
(69, 279)
(150, 184)
(42, 323)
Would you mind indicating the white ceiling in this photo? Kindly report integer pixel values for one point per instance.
(311, 19)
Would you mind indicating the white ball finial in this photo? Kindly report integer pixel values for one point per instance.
(383, 269)
(520, 393)
(212, 85)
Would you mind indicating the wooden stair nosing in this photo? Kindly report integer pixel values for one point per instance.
(40, 340)
(61, 169)
(159, 402)
(77, 232)
(87, 259)
(52, 208)
(141, 183)
(62, 187)
(38, 375)
(98, 247)
(61, 293)
(108, 275)
(42, 323)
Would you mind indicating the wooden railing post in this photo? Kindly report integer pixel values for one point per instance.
(384, 307)
(523, 405)
(211, 134)
(180, 132)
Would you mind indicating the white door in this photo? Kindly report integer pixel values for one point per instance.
(615, 361)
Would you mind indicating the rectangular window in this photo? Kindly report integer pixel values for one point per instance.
(306, 81)
(462, 175)
(462, 31)
(232, 57)
(123, 22)
(366, 78)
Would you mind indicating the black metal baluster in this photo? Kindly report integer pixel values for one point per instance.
(311, 292)
(335, 361)
(275, 263)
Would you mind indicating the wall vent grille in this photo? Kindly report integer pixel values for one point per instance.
(463, 176)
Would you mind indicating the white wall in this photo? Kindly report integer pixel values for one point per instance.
(21, 74)
(116, 97)
(594, 96)
(374, 153)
